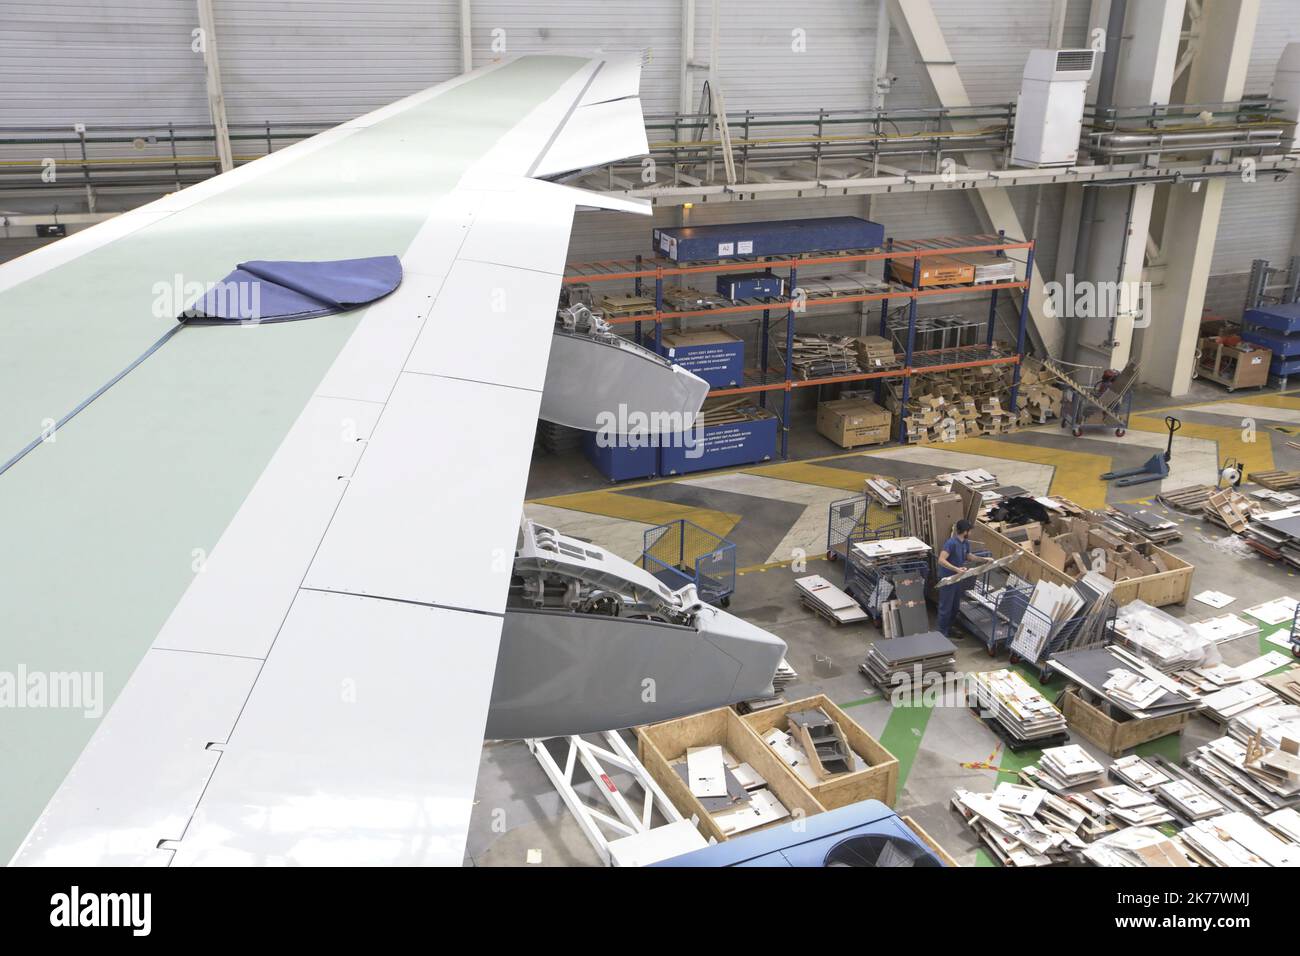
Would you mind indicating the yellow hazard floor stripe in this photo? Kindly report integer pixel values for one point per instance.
(812, 474)
(616, 504)
(1076, 474)
(1255, 448)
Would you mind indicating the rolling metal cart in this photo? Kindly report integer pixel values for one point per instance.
(1037, 624)
(681, 553)
(849, 522)
(1079, 411)
(984, 609)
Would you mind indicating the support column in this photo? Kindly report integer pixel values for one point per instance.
(216, 98)
(1121, 216)
(466, 36)
(1217, 74)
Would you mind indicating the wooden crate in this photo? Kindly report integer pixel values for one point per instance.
(660, 744)
(1116, 736)
(1160, 589)
(939, 851)
(879, 781)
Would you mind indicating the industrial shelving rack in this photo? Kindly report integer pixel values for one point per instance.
(766, 378)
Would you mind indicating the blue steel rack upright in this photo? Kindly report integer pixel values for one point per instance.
(638, 270)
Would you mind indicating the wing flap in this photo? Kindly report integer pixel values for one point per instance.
(595, 134)
(350, 750)
(141, 776)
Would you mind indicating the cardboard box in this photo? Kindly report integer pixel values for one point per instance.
(935, 270)
(851, 422)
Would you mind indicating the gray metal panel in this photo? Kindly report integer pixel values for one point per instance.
(557, 670)
(1258, 221)
(68, 61)
(331, 60)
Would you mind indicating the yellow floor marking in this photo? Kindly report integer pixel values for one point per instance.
(1076, 472)
(1258, 455)
(1186, 406)
(1268, 401)
(810, 474)
(615, 504)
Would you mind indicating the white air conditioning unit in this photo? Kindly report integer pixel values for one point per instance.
(1049, 112)
(1286, 86)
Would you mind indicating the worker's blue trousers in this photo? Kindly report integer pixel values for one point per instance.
(949, 601)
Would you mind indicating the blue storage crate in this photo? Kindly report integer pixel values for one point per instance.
(786, 237)
(1279, 318)
(621, 461)
(716, 356)
(751, 285)
(722, 446)
(1285, 346)
(1284, 368)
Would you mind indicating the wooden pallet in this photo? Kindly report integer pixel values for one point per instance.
(1190, 499)
(1276, 480)
(826, 615)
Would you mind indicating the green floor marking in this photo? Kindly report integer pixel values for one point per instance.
(1268, 630)
(902, 737)
(1170, 747)
(858, 703)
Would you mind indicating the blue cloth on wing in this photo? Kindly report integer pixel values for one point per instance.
(266, 290)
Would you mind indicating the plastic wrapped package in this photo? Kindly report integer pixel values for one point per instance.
(1165, 641)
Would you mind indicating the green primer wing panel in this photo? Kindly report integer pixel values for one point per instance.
(100, 526)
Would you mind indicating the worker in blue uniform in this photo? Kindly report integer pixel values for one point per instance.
(953, 559)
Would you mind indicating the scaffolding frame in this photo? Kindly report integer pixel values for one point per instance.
(620, 817)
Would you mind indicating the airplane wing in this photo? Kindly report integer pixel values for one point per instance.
(275, 557)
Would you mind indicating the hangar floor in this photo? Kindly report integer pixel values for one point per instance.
(777, 511)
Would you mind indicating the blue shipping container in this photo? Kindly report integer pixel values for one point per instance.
(750, 285)
(722, 446)
(620, 462)
(786, 237)
(716, 356)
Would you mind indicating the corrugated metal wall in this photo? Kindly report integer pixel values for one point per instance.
(99, 62)
(132, 62)
(330, 60)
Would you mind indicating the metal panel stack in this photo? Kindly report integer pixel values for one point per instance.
(1277, 535)
(1126, 681)
(895, 662)
(1021, 715)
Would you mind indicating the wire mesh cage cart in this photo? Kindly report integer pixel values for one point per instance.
(681, 553)
(1096, 398)
(1033, 637)
(856, 519)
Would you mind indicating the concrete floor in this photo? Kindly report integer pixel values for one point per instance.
(519, 818)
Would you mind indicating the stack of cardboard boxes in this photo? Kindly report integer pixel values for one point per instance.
(963, 403)
(875, 353)
(1037, 395)
(1074, 539)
